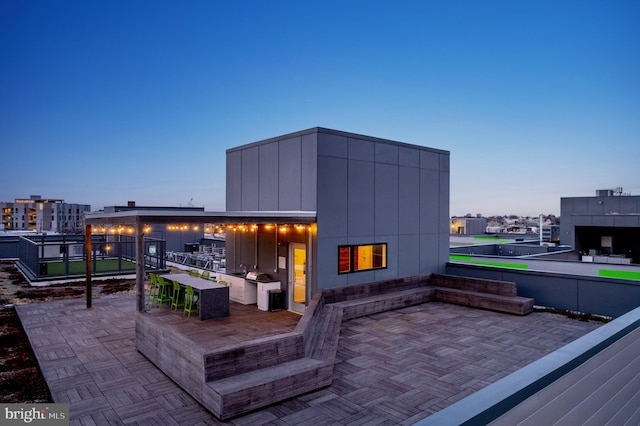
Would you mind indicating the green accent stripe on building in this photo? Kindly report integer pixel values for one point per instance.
(502, 265)
(624, 275)
(460, 257)
(492, 239)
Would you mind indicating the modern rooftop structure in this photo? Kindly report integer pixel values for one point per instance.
(324, 208)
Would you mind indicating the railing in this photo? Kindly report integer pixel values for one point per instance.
(63, 256)
(592, 380)
(214, 261)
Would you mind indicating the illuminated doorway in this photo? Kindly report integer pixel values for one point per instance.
(297, 277)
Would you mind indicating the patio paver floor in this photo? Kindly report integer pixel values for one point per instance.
(395, 367)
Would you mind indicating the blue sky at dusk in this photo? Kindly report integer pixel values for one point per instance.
(102, 102)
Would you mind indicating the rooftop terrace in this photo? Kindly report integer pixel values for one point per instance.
(395, 367)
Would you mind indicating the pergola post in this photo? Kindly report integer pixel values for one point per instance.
(140, 266)
(88, 262)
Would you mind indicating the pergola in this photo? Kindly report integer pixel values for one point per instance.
(139, 220)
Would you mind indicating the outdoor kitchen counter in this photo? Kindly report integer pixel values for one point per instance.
(213, 298)
(240, 290)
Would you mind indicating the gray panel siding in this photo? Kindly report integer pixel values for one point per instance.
(627, 221)
(250, 178)
(408, 255)
(328, 263)
(409, 200)
(268, 196)
(387, 202)
(443, 202)
(309, 180)
(391, 271)
(361, 150)
(332, 145)
(290, 176)
(429, 196)
(361, 198)
(274, 175)
(386, 153)
(603, 220)
(629, 205)
(580, 206)
(429, 160)
(609, 205)
(444, 162)
(408, 157)
(332, 197)
(429, 253)
(234, 181)
(386, 199)
(364, 190)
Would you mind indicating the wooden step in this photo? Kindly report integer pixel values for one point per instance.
(253, 355)
(495, 302)
(480, 285)
(242, 393)
(385, 302)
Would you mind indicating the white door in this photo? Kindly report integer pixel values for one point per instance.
(297, 277)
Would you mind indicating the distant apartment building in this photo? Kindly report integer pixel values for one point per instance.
(551, 234)
(468, 225)
(42, 215)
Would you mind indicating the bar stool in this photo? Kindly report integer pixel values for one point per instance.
(164, 293)
(190, 301)
(154, 290)
(175, 297)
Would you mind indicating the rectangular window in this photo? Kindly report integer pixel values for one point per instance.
(356, 258)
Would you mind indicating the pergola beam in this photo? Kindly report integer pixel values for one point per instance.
(140, 218)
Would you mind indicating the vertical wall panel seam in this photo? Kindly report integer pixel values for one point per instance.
(241, 183)
(278, 181)
(300, 178)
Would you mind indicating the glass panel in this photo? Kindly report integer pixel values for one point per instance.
(299, 275)
(363, 258)
(344, 260)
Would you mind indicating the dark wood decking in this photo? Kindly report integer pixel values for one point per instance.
(245, 322)
(394, 367)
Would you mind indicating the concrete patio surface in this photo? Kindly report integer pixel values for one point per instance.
(396, 367)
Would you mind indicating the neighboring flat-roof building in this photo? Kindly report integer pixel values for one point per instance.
(178, 237)
(606, 226)
(551, 234)
(43, 215)
(468, 225)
